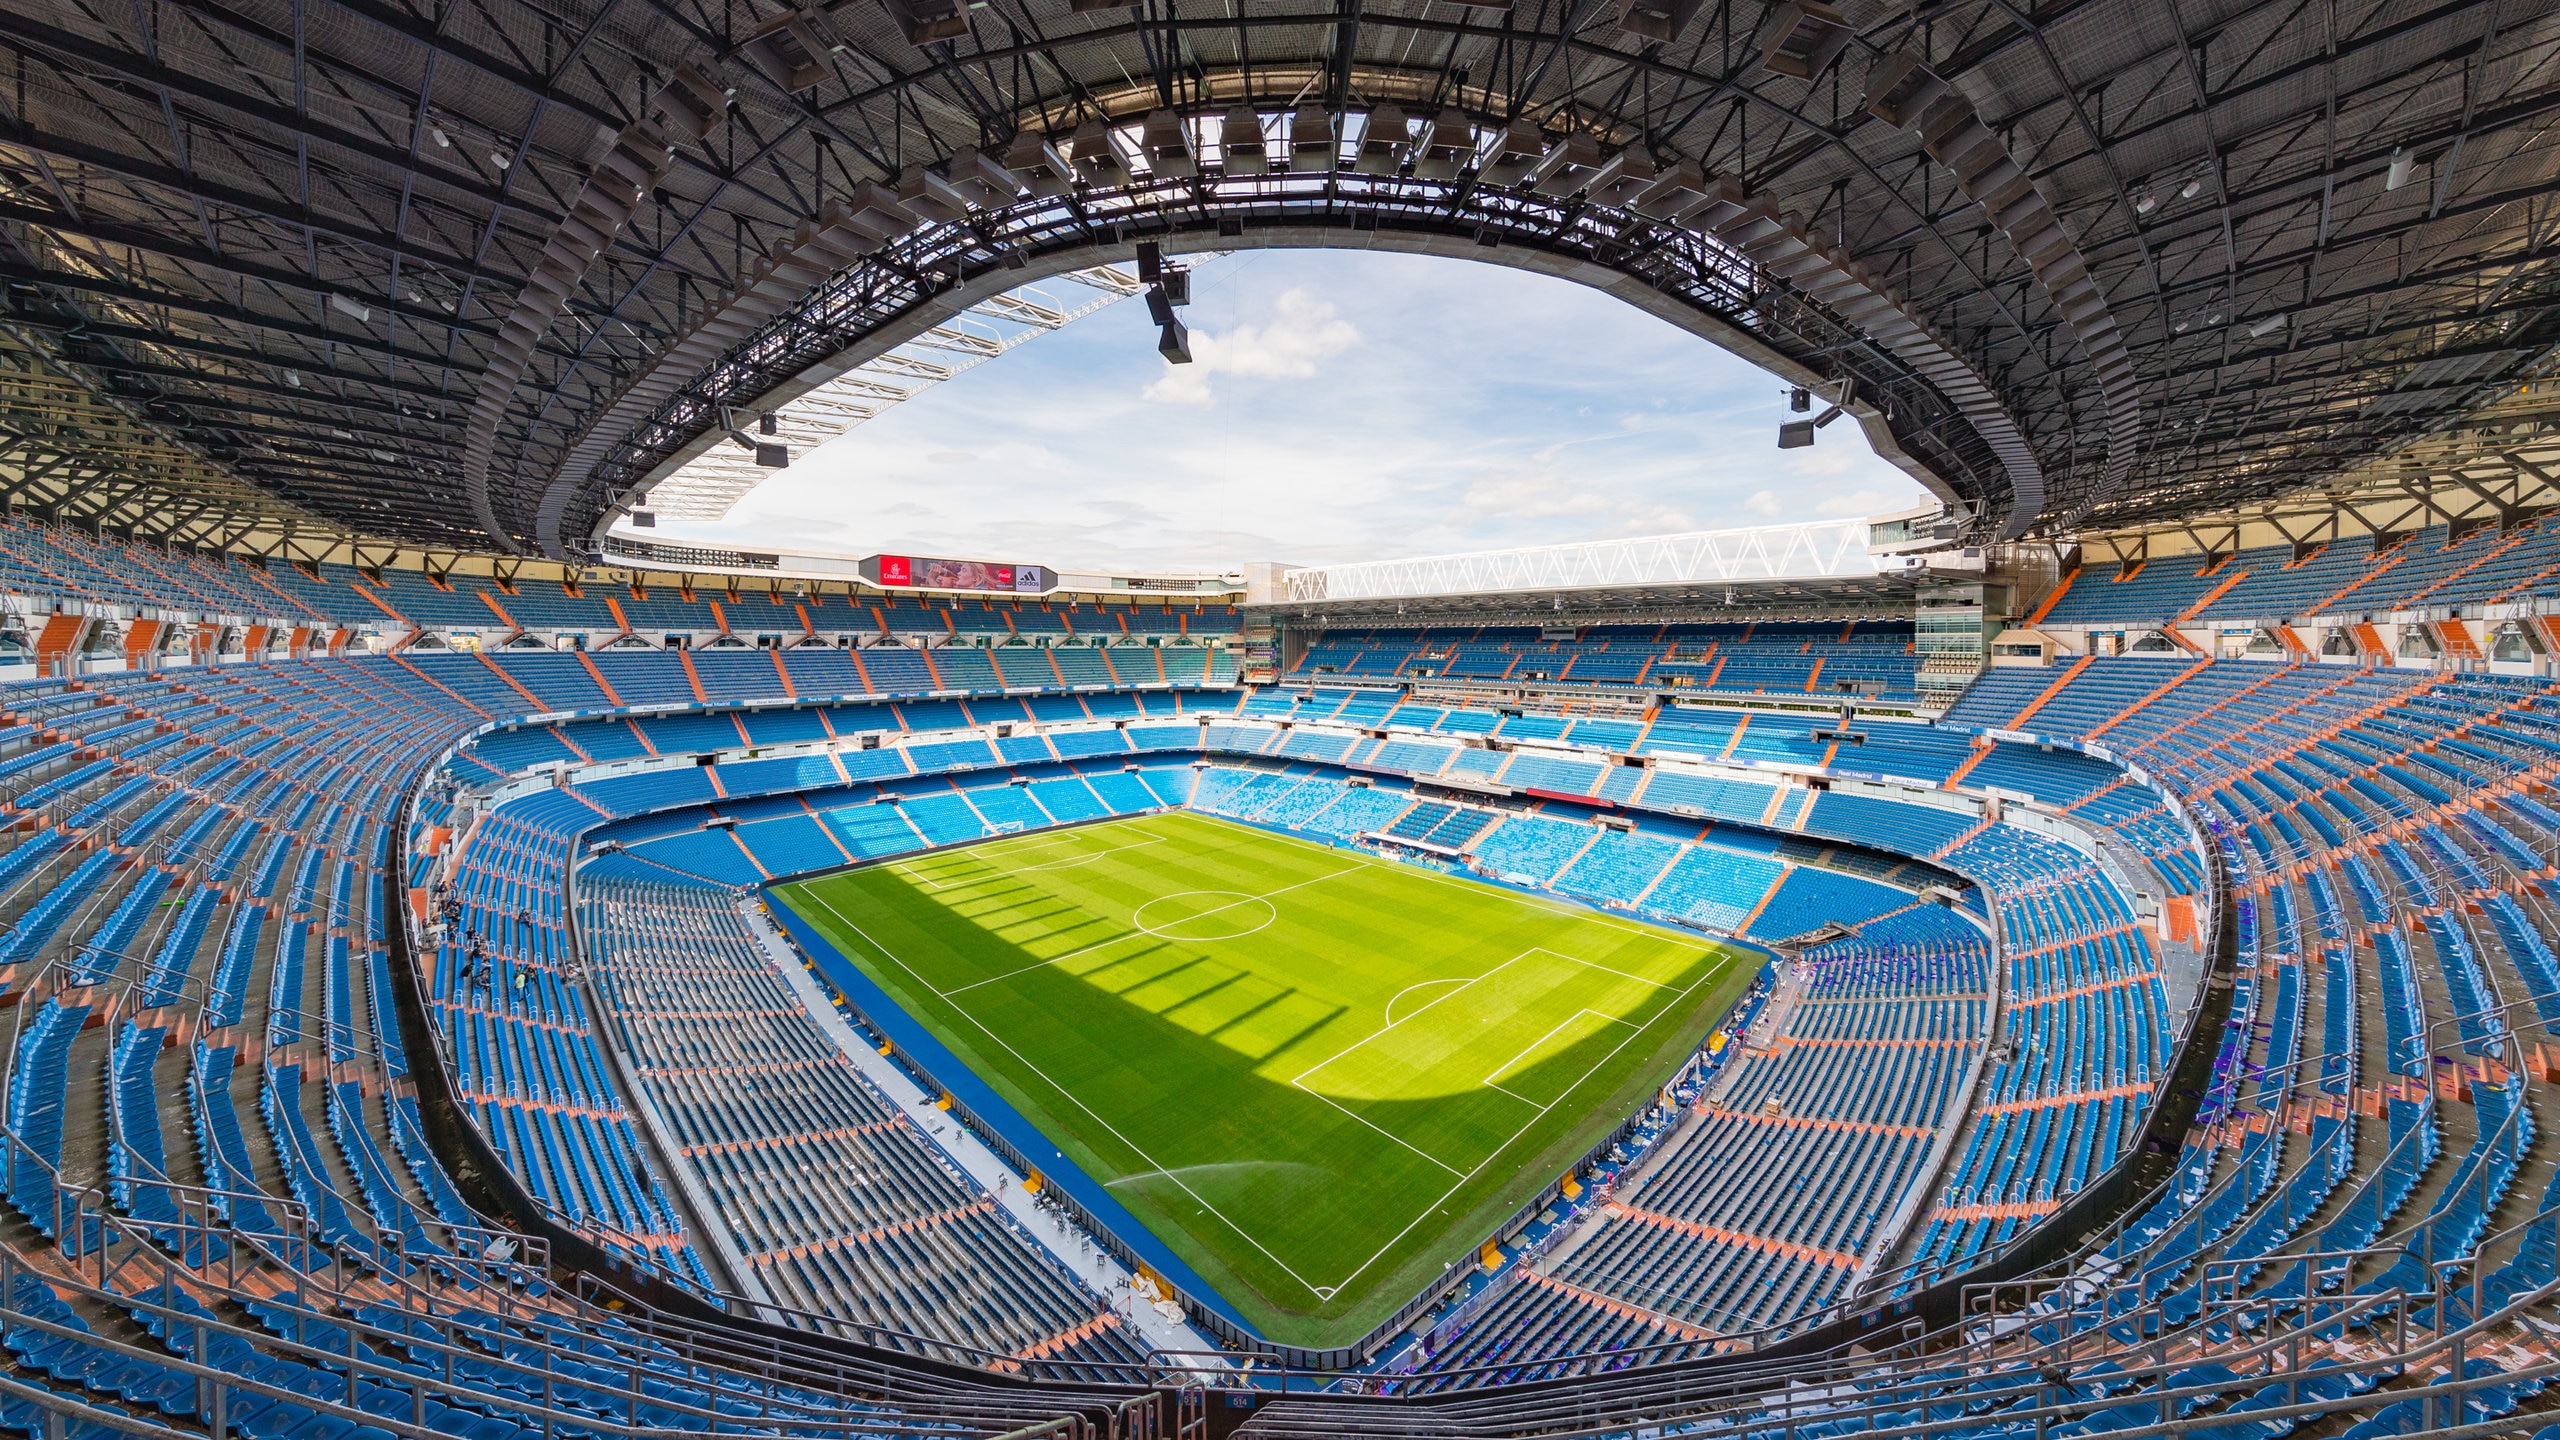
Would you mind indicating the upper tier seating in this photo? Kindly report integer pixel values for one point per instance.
(1793, 659)
(2426, 567)
(39, 559)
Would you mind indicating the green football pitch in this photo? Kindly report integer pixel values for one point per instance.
(1320, 1076)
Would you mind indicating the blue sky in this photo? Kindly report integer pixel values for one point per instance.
(1342, 406)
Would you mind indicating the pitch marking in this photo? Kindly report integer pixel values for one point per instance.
(1141, 930)
(983, 867)
(1421, 985)
(1496, 1152)
(1498, 1071)
(1134, 1148)
(1327, 1292)
(1240, 901)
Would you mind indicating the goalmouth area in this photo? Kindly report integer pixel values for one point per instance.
(1318, 1076)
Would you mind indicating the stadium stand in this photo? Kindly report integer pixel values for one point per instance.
(2122, 882)
(1751, 659)
(2426, 566)
(235, 938)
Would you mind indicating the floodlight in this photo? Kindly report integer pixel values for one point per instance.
(1382, 141)
(2188, 190)
(1447, 146)
(1098, 160)
(1568, 166)
(1167, 141)
(1313, 146)
(2397, 173)
(1521, 147)
(1039, 165)
(790, 54)
(925, 21)
(931, 196)
(1627, 175)
(981, 179)
(2261, 329)
(1241, 148)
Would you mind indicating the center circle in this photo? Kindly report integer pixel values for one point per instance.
(1205, 915)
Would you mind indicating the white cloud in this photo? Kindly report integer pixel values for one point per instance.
(1864, 502)
(1303, 332)
(1835, 460)
(1346, 407)
(1526, 499)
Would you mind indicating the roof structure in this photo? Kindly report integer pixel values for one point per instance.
(469, 276)
(706, 486)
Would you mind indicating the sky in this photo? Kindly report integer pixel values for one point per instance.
(1341, 406)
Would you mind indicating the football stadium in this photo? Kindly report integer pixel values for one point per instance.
(494, 945)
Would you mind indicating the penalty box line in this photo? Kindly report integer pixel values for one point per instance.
(1072, 1098)
(1298, 1081)
(982, 852)
(1134, 932)
(1492, 1083)
(1490, 1155)
(1462, 988)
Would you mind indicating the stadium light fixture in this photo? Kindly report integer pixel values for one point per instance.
(1167, 141)
(1242, 150)
(1097, 159)
(1447, 146)
(2262, 328)
(1039, 166)
(1383, 137)
(982, 180)
(772, 455)
(1313, 145)
(2396, 174)
(1627, 175)
(931, 196)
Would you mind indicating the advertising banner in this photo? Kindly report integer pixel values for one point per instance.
(981, 576)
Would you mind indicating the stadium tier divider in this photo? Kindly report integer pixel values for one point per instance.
(60, 563)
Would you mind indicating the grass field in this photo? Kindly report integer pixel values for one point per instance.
(1317, 1074)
